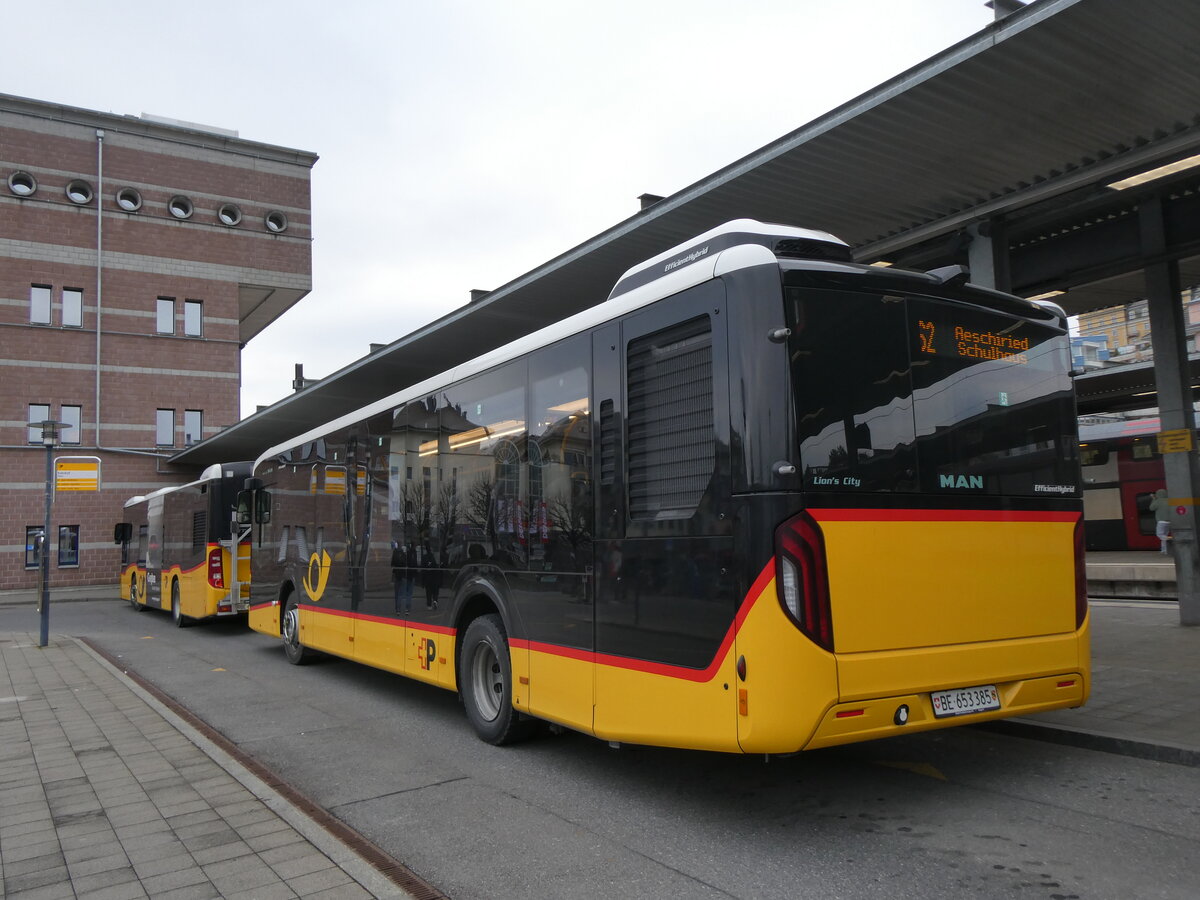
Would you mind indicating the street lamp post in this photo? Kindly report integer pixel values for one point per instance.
(50, 429)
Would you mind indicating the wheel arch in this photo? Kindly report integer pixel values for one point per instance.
(478, 597)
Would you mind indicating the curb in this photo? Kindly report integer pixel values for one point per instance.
(1092, 740)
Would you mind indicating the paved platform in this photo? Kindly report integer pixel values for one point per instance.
(1145, 687)
(106, 794)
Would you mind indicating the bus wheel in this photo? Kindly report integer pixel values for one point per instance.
(295, 652)
(133, 594)
(486, 683)
(177, 616)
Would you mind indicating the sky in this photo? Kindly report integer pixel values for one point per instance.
(463, 143)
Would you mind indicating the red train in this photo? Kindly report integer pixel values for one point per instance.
(1122, 469)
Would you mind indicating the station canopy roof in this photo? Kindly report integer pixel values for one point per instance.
(1031, 119)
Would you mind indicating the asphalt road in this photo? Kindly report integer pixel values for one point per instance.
(959, 813)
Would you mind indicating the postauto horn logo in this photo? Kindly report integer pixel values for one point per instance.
(315, 582)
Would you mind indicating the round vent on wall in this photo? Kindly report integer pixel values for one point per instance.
(22, 184)
(181, 207)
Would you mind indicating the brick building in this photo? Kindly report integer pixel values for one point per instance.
(137, 257)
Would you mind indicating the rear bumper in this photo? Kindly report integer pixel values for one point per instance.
(878, 717)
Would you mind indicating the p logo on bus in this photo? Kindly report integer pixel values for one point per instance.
(426, 653)
(314, 584)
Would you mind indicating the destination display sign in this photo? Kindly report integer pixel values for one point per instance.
(946, 339)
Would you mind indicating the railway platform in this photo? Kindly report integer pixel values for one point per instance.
(1131, 574)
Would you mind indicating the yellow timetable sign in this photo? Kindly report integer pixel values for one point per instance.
(1181, 440)
(77, 473)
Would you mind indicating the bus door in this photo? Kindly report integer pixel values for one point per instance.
(665, 597)
(154, 551)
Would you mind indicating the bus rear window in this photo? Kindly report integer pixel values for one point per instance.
(913, 394)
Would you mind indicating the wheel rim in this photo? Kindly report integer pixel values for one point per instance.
(291, 627)
(487, 681)
(176, 612)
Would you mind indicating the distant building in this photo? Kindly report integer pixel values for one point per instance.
(1088, 353)
(138, 255)
(1127, 328)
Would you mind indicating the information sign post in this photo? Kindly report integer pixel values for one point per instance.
(50, 429)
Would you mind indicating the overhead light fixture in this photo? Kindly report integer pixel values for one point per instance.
(1045, 296)
(1152, 174)
(881, 264)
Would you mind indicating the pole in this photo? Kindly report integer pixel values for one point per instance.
(44, 604)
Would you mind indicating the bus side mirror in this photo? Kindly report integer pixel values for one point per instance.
(242, 515)
(262, 511)
(122, 532)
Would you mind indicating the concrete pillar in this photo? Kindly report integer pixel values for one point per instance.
(1174, 402)
(987, 254)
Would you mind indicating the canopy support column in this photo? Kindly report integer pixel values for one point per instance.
(1174, 401)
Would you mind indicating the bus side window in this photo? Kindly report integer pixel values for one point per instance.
(1093, 454)
(559, 450)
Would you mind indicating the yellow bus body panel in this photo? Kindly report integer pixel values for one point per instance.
(790, 681)
(668, 706)
(264, 618)
(560, 686)
(130, 573)
(907, 584)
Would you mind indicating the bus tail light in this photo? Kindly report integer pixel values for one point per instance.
(216, 573)
(802, 580)
(1081, 601)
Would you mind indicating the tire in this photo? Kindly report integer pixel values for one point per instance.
(177, 616)
(485, 681)
(133, 594)
(297, 654)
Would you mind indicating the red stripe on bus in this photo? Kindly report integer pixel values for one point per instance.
(942, 515)
(667, 670)
(381, 620)
(605, 659)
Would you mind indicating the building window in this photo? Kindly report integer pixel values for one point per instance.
(230, 215)
(68, 546)
(129, 199)
(276, 221)
(32, 535)
(79, 191)
(72, 419)
(72, 308)
(38, 412)
(193, 427)
(192, 317)
(164, 428)
(166, 315)
(181, 207)
(22, 184)
(39, 304)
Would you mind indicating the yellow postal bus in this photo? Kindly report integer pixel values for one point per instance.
(761, 500)
(178, 551)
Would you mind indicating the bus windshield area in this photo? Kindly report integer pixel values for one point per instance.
(899, 392)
